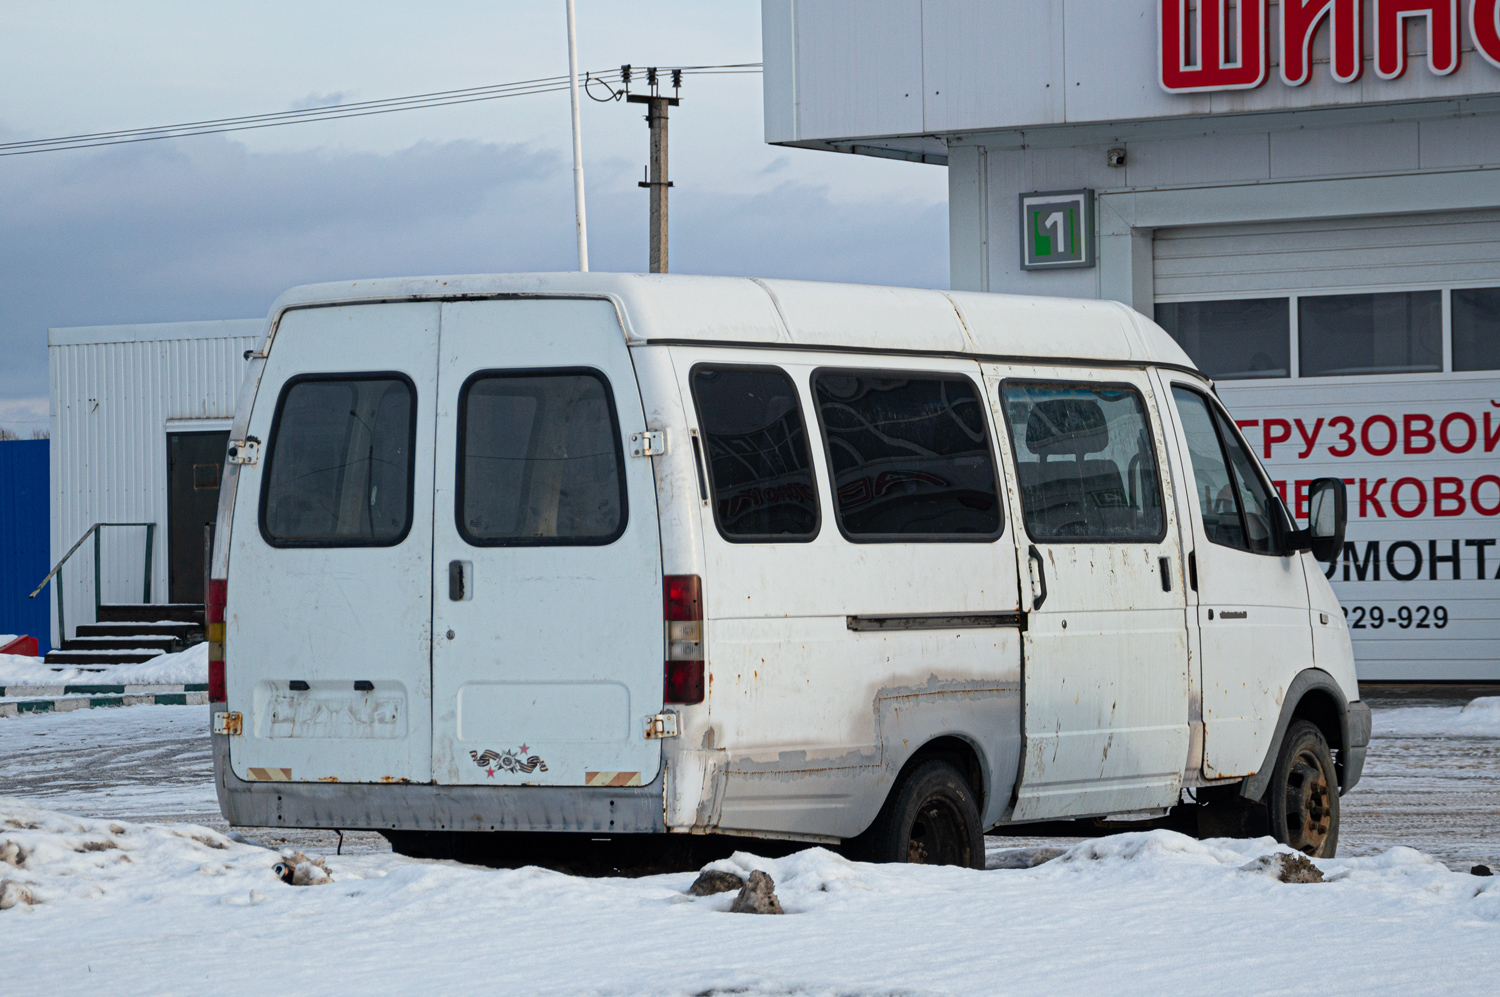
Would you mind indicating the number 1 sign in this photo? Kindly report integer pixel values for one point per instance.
(1057, 229)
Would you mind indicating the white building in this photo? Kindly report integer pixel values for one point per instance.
(140, 418)
(1306, 193)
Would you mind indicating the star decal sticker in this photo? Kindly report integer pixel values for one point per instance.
(524, 749)
(490, 773)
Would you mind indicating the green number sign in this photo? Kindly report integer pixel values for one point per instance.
(1057, 229)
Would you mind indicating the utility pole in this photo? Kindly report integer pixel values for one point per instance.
(656, 174)
(579, 215)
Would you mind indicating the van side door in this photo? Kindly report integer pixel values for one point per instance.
(1252, 608)
(548, 640)
(1106, 684)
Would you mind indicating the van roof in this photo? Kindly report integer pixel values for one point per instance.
(802, 314)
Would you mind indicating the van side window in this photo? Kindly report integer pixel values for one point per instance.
(339, 466)
(1237, 509)
(758, 465)
(540, 461)
(1085, 462)
(910, 455)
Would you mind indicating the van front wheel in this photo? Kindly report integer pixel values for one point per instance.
(931, 818)
(1304, 794)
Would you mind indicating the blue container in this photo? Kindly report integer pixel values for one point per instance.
(25, 548)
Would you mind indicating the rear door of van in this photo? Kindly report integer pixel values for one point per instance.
(330, 573)
(548, 636)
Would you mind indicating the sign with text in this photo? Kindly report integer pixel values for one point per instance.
(1057, 229)
(1207, 45)
(1419, 575)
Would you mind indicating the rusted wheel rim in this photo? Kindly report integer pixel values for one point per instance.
(1309, 807)
(937, 835)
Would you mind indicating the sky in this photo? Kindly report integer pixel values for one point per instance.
(218, 226)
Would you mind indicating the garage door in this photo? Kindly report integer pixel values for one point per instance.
(1368, 349)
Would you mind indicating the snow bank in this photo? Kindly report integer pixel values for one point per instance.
(1477, 718)
(190, 666)
(122, 908)
(163, 911)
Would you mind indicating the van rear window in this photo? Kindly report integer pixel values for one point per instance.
(339, 467)
(540, 461)
(762, 479)
(1086, 465)
(910, 454)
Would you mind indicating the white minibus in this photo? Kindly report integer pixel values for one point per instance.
(566, 557)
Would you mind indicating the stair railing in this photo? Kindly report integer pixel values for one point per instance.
(96, 530)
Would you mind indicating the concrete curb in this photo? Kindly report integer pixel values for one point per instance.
(65, 699)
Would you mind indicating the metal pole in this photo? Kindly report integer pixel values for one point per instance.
(150, 546)
(97, 597)
(578, 208)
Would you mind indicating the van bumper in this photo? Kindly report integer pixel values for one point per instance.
(350, 806)
(1356, 743)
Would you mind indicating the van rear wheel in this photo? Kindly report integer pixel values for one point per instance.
(930, 818)
(1304, 794)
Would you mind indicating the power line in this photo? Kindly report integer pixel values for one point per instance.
(331, 112)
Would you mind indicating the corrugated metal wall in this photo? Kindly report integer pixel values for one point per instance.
(1344, 254)
(111, 404)
(23, 539)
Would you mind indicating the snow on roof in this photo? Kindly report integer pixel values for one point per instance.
(656, 307)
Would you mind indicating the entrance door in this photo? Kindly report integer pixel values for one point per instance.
(195, 462)
(547, 588)
(1251, 615)
(1105, 670)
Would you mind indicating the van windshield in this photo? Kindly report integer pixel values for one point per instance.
(340, 462)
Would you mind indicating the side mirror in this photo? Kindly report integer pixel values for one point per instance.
(1327, 515)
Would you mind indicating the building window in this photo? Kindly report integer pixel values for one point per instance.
(339, 467)
(911, 456)
(1476, 328)
(540, 461)
(1394, 333)
(758, 466)
(1232, 340)
(1086, 465)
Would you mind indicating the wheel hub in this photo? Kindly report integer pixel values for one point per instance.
(1309, 813)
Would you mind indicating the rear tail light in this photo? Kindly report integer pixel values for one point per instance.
(684, 618)
(218, 593)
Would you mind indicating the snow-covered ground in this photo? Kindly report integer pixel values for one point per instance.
(126, 907)
(122, 908)
(190, 666)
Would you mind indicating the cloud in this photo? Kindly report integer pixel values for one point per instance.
(333, 99)
(205, 228)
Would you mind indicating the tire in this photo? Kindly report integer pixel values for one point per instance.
(930, 818)
(1303, 798)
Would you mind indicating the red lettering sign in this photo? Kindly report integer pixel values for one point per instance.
(1222, 48)
(1390, 35)
(1205, 45)
(1484, 28)
(1300, 20)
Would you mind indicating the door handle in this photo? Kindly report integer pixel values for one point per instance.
(1032, 554)
(1165, 564)
(459, 580)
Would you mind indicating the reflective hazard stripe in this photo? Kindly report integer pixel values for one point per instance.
(270, 775)
(611, 778)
